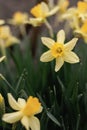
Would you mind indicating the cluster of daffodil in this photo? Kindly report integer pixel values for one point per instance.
(59, 50)
(77, 17)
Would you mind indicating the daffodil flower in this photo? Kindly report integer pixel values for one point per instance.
(7, 37)
(18, 18)
(40, 12)
(82, 31)
(76, 15)
(59, 51)
(25, 112)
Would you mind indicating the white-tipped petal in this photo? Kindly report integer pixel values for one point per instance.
(71, 57)
(34, 123)
(46, 57)
(44, 7)
(71, 44)
(61, 36)
(13, 103)
(59, 63)
(21, 102)
(12, 117)
(47, 42)
(25, 122)
(2, 58)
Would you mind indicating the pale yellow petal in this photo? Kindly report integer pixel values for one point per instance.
(44, 7)
(12, 117)
(21, 102)
(11, 40)
(61, 36)
(2, 58)
(34, 123)
(35, 21)
(53, 11)
(71, 57)
(46, 57)
(25, 122)
(47, 42)
(2, 22)
(13, 103)
(71, 44)
(59, 63)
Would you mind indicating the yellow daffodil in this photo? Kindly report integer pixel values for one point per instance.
(82, 31)
(40, 12)
(6, 37)
(59, 51)
(25, 112)
(18, 18)
(76, 15)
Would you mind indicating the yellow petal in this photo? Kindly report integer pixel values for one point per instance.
(71, 57)
(61, 36)
(2, 58)
(12, 117)
(34, 123)
(44, 7)
(71, 44)
(11, 41)
(21, 102)
(53, 11)
(47, 42)
(46, 57)
(13, 103)
(59, 63)
(34, 21)
(25, 122)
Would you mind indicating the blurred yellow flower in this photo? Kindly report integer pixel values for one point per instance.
(59, 51)
(41, 11)
(76, 15)
(82, 31)
(25, 112)
(6, 37)
(18, 18)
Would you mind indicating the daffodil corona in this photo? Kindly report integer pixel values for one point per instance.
(59, 51)
(25, 112)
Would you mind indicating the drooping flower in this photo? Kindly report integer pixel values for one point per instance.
(25, 112)
(2, 21)
(42, 11)
(59, 51)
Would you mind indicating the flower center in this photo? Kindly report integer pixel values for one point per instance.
(37, 11)
(57, 50)
(32, 107)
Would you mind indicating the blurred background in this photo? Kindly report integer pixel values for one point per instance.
(8, 7)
